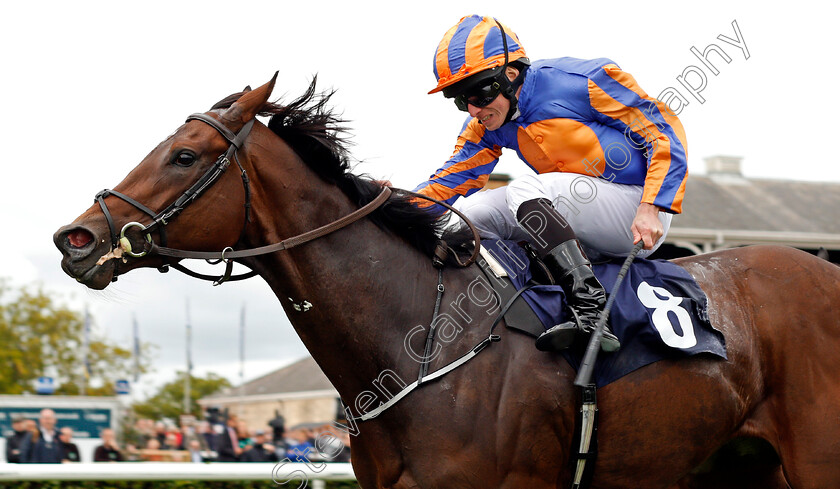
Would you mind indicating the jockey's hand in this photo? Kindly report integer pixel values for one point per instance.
(646, 225)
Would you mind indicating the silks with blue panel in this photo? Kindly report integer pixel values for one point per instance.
(659, 312)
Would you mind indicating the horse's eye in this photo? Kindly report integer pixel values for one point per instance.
(184, 158)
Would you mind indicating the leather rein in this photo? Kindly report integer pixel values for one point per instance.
(161, 219)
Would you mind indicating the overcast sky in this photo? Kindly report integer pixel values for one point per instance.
(89, 88)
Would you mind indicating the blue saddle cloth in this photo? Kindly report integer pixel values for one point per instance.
(659, 311)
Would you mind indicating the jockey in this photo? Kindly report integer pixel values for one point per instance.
(609, 161)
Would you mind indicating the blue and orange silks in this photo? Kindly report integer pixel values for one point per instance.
(579, 116)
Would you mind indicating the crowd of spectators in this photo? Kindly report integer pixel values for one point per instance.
(231, 440)
(43, 443)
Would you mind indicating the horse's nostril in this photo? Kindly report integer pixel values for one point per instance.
(79, 238)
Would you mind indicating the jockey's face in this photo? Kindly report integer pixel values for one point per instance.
(491, 115)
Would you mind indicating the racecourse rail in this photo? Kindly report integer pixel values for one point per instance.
(151, 471)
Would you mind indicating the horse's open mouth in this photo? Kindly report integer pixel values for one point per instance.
(79, 238)
(81, 250)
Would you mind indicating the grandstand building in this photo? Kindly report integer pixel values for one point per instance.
(299, 392)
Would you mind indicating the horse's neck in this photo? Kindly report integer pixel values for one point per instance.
(353, 295)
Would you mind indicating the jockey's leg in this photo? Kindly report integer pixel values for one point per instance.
(600, 212)
(569, 216)
(560, 250)
(488, 211)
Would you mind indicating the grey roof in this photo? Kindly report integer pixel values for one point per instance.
(760, 205)
(302, 376)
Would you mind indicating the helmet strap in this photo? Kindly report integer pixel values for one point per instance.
(509, 90)
(510, 93)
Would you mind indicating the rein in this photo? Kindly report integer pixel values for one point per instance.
(227, 255)
(384, 195)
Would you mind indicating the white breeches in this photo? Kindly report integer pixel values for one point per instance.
(600, 212)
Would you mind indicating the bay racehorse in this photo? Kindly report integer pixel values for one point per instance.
(768, 417)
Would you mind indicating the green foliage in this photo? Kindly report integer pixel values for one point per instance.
(39, 337)
(160, 485)
(168, 402)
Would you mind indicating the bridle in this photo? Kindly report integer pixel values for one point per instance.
(161, 219)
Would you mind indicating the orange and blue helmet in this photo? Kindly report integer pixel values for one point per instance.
(475, 48)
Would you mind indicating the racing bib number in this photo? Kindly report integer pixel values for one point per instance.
(667, 307)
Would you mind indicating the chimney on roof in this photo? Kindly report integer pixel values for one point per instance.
(723, 166)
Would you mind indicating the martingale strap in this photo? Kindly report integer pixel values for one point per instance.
(430, 338)
(425, 379)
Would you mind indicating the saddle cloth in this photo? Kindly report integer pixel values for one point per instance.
(659, 311)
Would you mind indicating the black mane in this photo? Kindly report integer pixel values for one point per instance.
(319, 137)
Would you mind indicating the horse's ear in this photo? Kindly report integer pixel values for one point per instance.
(246, 89)
(247, 107)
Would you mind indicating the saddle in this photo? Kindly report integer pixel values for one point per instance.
(519, 316)
(659, 311)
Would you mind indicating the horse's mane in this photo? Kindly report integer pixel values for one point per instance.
(319, 137)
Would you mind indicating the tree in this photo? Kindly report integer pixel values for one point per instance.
(39, 337)
(168, 402)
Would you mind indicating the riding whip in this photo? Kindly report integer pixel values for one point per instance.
(588, 364)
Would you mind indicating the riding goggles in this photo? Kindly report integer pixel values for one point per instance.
(480, 96)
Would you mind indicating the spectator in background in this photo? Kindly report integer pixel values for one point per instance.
(170, 442)
(108, 451)
(41, 445)
(260, 450)
(194, 447)
(152, 451)
(244, 435)
(131, 453)
(174, 437)
(187, 433)
(278, 428)
(227, 442)
(69, 450)
(14, 441)
(333, 444)
(143, 430)
(298, 446)
(160, 432)
(206, 432)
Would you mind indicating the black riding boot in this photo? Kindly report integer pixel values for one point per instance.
(585, 295)
(558, 247)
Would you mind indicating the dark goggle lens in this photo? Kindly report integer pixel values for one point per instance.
(479, 96)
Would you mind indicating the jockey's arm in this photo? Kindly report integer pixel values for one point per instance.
(649, 126)
(466, 171)
(646, 225)
(662, 137)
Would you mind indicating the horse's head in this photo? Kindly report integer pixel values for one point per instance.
(184, 174)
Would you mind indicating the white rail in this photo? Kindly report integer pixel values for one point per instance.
(149, 471)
